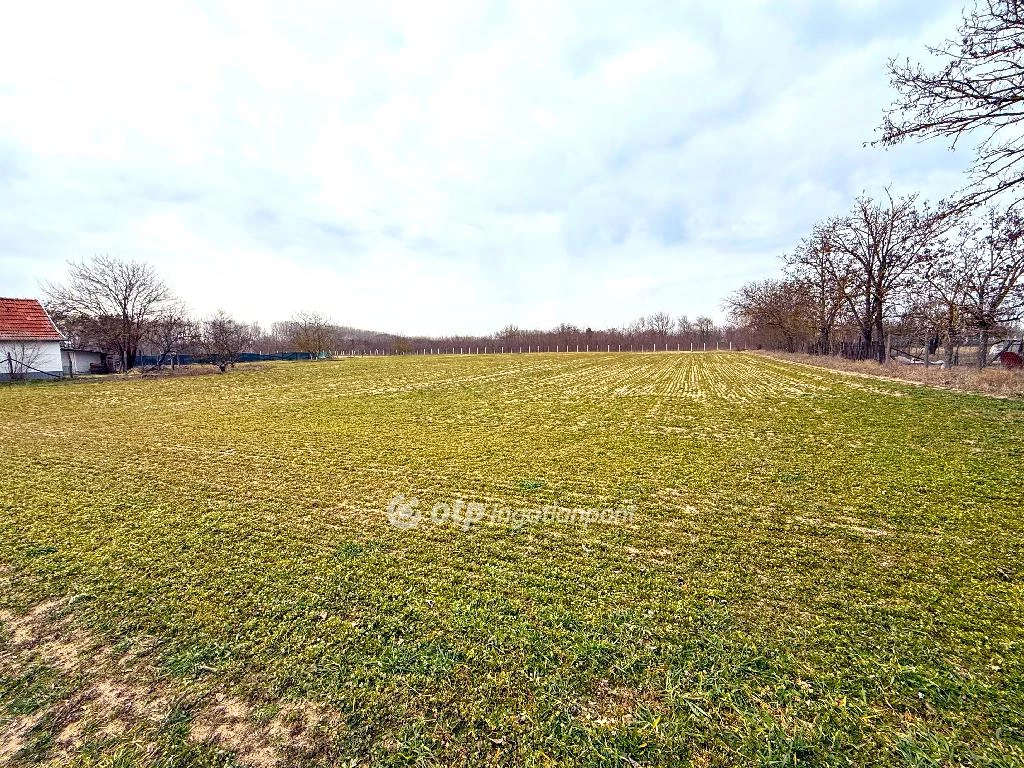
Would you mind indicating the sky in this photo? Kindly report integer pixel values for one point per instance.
(448, 167)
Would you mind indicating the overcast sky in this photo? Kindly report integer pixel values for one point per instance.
(444, 167)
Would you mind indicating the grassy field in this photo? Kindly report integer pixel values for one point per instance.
(780, 566)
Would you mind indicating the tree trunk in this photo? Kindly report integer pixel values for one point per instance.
(983, 348)
(823, 341)
(881, 351)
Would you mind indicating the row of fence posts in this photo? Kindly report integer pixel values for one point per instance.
(530, 349)
(927, 350)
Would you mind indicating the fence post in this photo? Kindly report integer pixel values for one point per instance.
(10, 366)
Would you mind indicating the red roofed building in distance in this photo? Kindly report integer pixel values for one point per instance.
(29, 341)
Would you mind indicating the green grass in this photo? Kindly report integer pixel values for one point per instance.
(820, 570)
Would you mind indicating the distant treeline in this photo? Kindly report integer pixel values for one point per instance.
(124, 309)
(314, 333)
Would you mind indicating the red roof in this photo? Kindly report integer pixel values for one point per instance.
(25, 319)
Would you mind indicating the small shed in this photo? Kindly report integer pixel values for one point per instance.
(78, 362)
(29, 341)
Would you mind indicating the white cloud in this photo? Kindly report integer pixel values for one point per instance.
(446, 167)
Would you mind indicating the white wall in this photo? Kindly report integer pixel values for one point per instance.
(82, 361)
(44, 355)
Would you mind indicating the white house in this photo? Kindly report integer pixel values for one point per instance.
(29, 341)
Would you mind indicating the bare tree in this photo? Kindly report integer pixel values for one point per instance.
(705, 326)
(222, 339)
(639, 329)
(509, 336)
(683, 326)
(660, 324)
(937, 309)
(277, 339)
(19, 359)
(991, 263)
(979, 85)
(938, 288)
(109, 301)
(825, 276)
(311, 333)
(874, 247)
(566, 334)
(785, 307)
(169, 334)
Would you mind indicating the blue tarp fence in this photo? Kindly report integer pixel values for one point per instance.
(246, 357)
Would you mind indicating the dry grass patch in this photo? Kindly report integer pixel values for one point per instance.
(994, 380)
(617, 706)
(110, 697)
